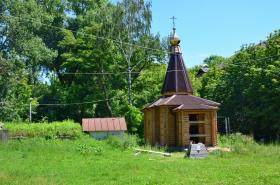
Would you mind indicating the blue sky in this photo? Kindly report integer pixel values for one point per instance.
(215, 26)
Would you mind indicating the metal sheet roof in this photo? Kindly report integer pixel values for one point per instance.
(104, 124)
(176, 78)
(185, 102)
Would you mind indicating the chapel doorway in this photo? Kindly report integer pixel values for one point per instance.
(197, 128)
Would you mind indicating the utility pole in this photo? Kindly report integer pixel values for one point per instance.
(129, 84)
(130, 70)
(30, 109)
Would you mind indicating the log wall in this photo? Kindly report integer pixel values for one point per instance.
(207, 127)
(214, 128)
(164, 127)
(171, 128)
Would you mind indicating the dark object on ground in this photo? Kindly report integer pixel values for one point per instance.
(197, 151)
(4, 134)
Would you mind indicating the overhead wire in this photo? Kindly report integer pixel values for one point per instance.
(92, 35)
(98, 73)
(95, 36)
(76, 103)
(109, 39)
(65, 104)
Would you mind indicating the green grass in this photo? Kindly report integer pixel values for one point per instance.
(86, 161)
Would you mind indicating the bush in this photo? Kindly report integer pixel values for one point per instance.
(85, 149)
(65, 129)
(238, 143)
(237, 138)
(126, 142)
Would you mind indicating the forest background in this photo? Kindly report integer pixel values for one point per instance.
(92, 58)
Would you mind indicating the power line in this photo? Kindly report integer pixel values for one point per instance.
(77, 103)
(98, 73)
(65, 104)
(95, 36)
(100, 37)
(92, 73)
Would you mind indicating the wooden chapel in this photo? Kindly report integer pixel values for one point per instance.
(179, 117)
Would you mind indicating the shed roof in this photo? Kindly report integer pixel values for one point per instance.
(104, 124)
(185, 102)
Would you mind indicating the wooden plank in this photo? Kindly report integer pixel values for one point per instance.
(214, 128)
(196, 122)
(157, 126)
(145, 126)
(185, 122)
(171, 128)
(199, 135)
(154, 152)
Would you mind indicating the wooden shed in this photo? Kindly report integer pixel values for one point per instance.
(179, 117)
(101, 128)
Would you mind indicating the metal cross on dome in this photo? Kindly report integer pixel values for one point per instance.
(173, 20)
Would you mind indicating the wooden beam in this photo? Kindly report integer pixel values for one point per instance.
(154, 152)
(196, 122)
(198, 135)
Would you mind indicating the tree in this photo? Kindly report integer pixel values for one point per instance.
(14, 90)
(247, 85)
(132, 21)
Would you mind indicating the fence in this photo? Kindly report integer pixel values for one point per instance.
(223, 125)
(4, 135)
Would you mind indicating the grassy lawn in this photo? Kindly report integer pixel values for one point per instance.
(85, 161)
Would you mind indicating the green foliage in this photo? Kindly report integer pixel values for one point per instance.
(127, 142)
(14, 90)
(196, 82)
(247, 86)
(46, 130)
(49, 38)
(43, 40)
(237, 138)
(239, 143)
(85, 149)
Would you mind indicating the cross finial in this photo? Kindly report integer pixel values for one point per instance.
(173, 20)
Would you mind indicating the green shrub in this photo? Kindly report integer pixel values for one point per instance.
(238, 143)
(65, 129)
(126, 142)
(237, 138)
(85, 149)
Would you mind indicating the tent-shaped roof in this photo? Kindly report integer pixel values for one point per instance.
(176, 78)
(177, 89)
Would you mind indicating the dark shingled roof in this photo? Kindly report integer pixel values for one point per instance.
(185, 102)
(176, 78)
(201, 71)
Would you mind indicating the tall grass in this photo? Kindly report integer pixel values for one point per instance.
(246, 145)
(47, 130)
